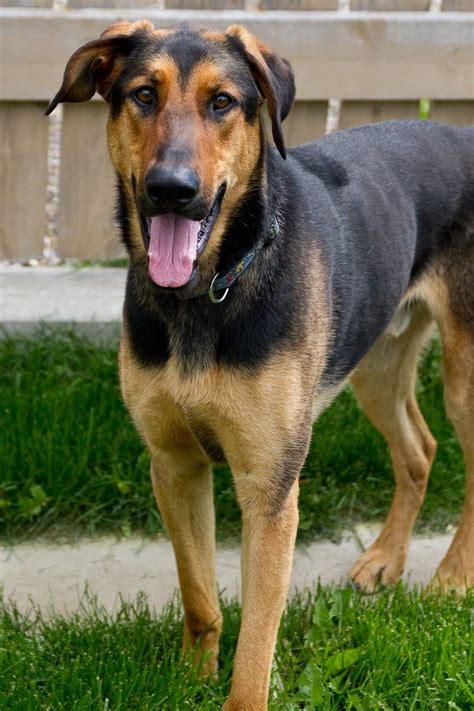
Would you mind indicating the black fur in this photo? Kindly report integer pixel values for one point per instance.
(407, 184)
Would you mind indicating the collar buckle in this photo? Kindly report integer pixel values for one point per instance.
(231, 277)
(211, 294)
(273, 231)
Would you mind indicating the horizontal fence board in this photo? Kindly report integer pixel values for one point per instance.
(23, 156)
(86, 226)
(390, 55)
(160, 4)
(358, 113)
(307, 120)
(390, 5)
(298, 5)
(460, 113)
(204, 4)
(26, 3)
(107, 4)
(458, 5)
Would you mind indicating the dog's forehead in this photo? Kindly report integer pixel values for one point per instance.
(187, 48)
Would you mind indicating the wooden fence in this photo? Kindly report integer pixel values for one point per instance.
(378, 59)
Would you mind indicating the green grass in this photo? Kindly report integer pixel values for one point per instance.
(71, 461)
(118, 263)
(336, 650)
(424, 109)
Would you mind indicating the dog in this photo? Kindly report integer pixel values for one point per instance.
(260, 282)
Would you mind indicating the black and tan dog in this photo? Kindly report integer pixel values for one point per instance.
(257, 286)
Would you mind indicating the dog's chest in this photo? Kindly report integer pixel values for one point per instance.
(212, 405)
(204, 428)
(247, 415)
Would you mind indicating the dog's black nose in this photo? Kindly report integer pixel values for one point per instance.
(172, 186)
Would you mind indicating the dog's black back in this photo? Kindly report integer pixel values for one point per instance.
(387, 199)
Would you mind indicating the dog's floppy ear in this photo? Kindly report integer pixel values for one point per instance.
(274, 78)
(93, 67)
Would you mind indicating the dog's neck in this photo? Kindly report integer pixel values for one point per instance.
(252, 219)
(249, 226)
(200, 332)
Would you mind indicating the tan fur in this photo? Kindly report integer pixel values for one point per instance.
(457, 567)
(252, 44)
(224, 152)
(253, 417)
(384, 383)
(252, 414)
(123, 27)
(267, 554)
(451, 302)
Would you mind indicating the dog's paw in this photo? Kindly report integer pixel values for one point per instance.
(204, 662)
(455, 572)
(202, 657)
(376, 567)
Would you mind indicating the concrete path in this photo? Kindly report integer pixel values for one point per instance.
(54, 576)
(89, 297)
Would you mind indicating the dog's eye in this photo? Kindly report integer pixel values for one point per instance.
(144, 95)
(222, 102)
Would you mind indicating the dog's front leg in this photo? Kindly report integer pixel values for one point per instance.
(183, 491)
(269, 531)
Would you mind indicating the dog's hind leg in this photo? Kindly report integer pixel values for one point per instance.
(384, 383)
(457, 335)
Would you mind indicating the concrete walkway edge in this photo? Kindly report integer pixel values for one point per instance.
(55, 575)
(90, 298)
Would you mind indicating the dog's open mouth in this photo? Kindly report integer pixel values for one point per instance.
(175, 243)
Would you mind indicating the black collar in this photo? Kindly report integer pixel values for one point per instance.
(224, 283)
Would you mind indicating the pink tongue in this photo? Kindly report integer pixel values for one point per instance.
(172, 250)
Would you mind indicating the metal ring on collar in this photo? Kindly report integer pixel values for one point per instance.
(214, 298)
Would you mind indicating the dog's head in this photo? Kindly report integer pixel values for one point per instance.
(184, 130)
